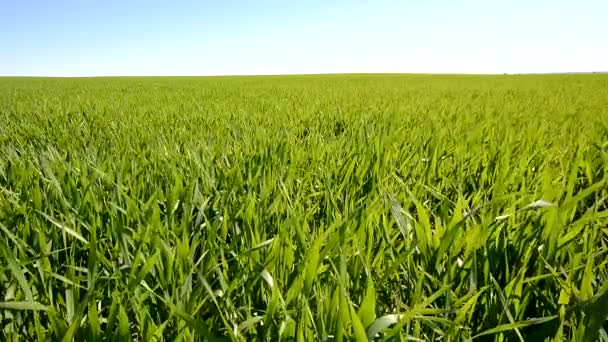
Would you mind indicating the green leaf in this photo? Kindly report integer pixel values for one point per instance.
(16, 271)
(32, 306)
(358, 329)
(515, 325)
(367, 310)
(63, 227)
(123, 325)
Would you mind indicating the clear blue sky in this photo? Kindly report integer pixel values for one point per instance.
(163, 37)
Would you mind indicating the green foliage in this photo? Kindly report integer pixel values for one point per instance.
(338, 207)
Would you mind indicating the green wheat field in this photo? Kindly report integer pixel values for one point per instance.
(304, 208)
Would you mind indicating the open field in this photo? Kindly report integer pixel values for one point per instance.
(304, 208)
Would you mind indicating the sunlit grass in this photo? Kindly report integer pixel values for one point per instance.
(341, 207)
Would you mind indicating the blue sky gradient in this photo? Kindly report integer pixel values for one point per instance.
(162, 37)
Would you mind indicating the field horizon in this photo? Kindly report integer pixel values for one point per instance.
(323, 74)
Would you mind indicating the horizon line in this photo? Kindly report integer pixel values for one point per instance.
(318, 74)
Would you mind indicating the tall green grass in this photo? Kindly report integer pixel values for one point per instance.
(339, 207)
